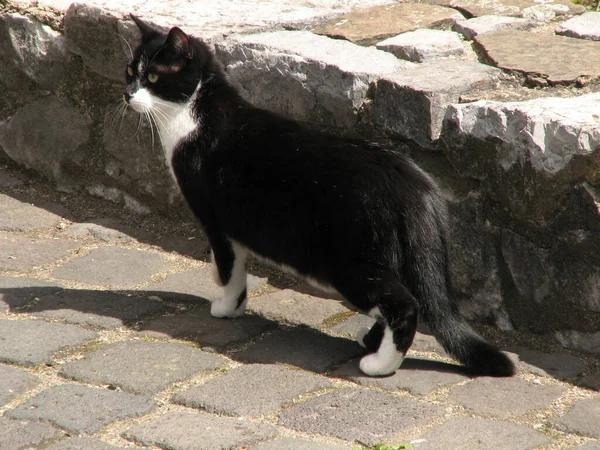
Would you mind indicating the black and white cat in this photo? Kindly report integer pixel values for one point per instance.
(343, 213)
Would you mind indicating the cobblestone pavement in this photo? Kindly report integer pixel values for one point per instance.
(106, 342)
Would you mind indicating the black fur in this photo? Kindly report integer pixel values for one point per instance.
(345, 212)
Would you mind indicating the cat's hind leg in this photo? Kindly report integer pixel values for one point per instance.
(229, 271)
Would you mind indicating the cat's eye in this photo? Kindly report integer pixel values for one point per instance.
(129, 71)
(152, 77)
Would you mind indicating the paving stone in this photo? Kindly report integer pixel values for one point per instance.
(588, 342)
(309, 350)
(559, 59)
(266, 388)
(141, 367)
(368, 417)
(82, 443)
(589, 445)
(98, 309)
(197, 282)
(471, 432)
(113, 266)
(354, 324)
(16, 215)
(586, 26)
(294, 307)
(14, 383)
(417, 376)
(9, 180)
(23, 253)
(198, 247)
(583, 418)
(476, 8)
(505, 397)
(590, 382)
(485, 24)
(81, 409)
(412, 103)
(23, 434)
(297, 444)
(206, 330)
(106, 230)
(370, 25)
(18, 291)
(188, 431)
(423, 45)
(33, 342)
(559, 365)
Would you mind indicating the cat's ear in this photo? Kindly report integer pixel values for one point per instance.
(179, 43)
(148, 30)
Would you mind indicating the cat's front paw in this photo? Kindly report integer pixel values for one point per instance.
(375, 365)
(226, 309)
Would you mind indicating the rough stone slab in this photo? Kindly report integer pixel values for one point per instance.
(187, 431)
(206, 330)
(583, 418)
(113, 266)
(9, 180)
(20, 253)
(417, 376)
(301, 75)
(33, 342)
(559, 59)
(196, 248)
(486, 24)
(82, 443)
(496, 396)
(476, 8)
(368, 417)
(297, 444)
(586, 26)
(141, 367)
(47, 135)
(559, 365)
(471, 432)
(81, 409)
(18, 291)
(193, 283)
(300, 347)
(16, 215)
(423, 45)
(32, 50)
(590, 382)
(296, 308)
(20, 434)
(106, 230)
(412, 103)
(14, 383)
(98, 309)
(579, 340)
(589, 445)
(546, 132)
(370, 25)
(266, 388)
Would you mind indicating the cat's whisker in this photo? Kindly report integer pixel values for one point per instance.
(128, 46)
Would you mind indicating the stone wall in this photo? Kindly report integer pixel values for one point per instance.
(511, 134)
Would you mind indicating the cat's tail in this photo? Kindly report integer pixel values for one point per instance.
(427, 249)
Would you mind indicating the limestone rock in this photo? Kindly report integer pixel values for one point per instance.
(423, 45)
(559, 59)
(477, 8)
(586, 26)
(485, 24)
(32, 50)
(371, 25)
(412, 103)
(305, 76)
(580, 341)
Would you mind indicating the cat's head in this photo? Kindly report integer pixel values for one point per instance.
(168, 65)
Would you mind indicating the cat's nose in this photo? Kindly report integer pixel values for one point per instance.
(129, 91)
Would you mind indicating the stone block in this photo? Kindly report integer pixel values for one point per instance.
(297, 444)
(33, 342)
(18, 291)
(141, 367)
(367, 26)
(81, 409)
(558, 365)
(586, 26)
(81, 443)
(583, 418)
(412, 104)
(476, 8)
(30, 50)
(184, 430)
(471, 432)
(304, 76)
(16, 215)
(579, 340)
(485, 24)
(20, 434)
(364, 416)
(15, 382)
(49, 136)
(423, 45)
(105, 230)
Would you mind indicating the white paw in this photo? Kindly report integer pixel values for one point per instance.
(374, 365)
(360, 336)
(225, 308)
